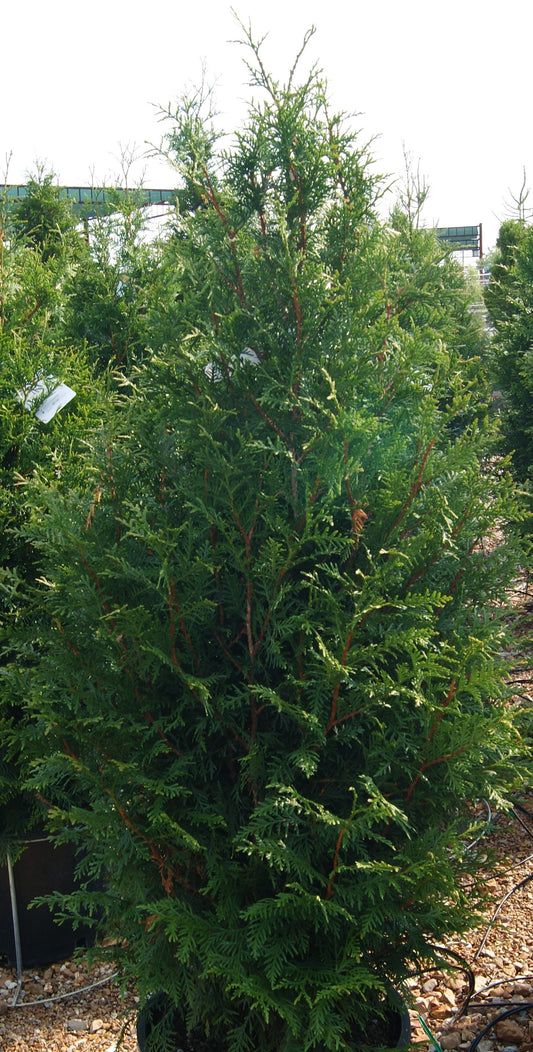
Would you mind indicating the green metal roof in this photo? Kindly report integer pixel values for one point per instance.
(88, 201)
(466, 237)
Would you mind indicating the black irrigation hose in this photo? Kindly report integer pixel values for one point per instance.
(485, 830)
(524, 811)
(485, 1006)
(501, 982)
(503, 1015)
(516, 1008)
(502, 873)
(524, 825)
(500, 905)
(463, 966)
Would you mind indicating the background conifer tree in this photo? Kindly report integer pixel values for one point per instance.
(111, 290)
(509, 299)
(43, 217)
(33, 270)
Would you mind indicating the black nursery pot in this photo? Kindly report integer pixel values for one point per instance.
(41, 870)
(393, 1031)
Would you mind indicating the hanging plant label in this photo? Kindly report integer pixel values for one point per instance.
(56, 398)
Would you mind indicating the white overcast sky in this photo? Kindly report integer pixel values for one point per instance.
(451, 82)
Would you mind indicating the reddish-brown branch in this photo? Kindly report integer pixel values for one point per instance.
(431, 763)
(268, 614)
(330, 889)
(69, 751)
(303, 216)
(299, 659)
(174, 605)
(167, 876)
(313, 497)
(239, 289)
(315, 492)
(70, 645)
(227, 370)
(150, 719)
(343, 719)
(111, 626)
(298, 312)
(256, 711)
(234, 288)
(447, 700)
(31, 313)
(246, 536)
(461, 570)
(415, 488)
(111, 479)
(442, 759)
(268, 420)
(228, 654)
(420, 573)
(249, 634)
(333, 715)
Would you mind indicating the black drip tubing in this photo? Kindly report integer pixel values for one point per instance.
(503, 1015)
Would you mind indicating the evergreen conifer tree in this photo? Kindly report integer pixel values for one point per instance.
(44, 218)
(111, 291)
(509, 299)
(272, 658)
(34, 361)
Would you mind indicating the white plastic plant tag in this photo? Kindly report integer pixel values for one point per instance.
(214, 372)
(249, 355)
(56, 397)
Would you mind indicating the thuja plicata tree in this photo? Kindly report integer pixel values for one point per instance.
(272, 663)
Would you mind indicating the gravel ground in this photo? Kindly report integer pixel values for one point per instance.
(499, 955)
(92, 1015)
